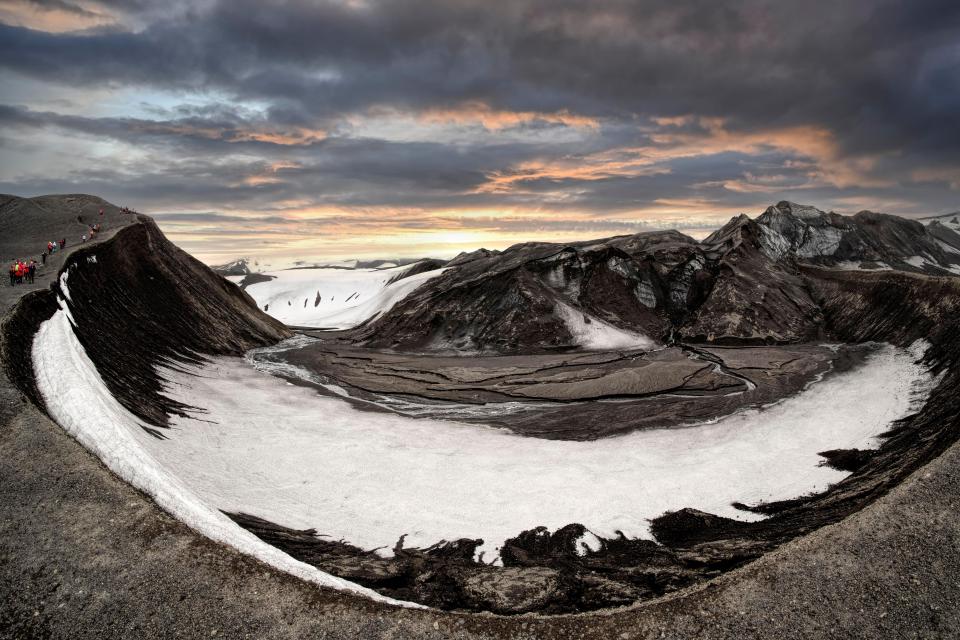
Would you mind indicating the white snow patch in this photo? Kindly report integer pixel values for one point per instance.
(348, 297)
(948, 248)
(923, 261)
(63, 285)
(850, 265)
(76, 397)
(593, 333)
(586, 543)
(303, 460)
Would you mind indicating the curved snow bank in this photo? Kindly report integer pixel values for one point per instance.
(76, 397)
(332, 298)
(281, 452)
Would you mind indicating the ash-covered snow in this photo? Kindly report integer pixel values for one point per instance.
(302, 460)
(645, 294)
(265, 359)
(921, 262)
(76, 397)
(820, 241)
(851, 265)
(772, 243)
(333, 298)
(590, 332)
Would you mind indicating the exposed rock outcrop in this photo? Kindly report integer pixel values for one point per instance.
(239, 267)
(741, 285)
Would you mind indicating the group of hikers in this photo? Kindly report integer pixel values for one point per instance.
(53, 246)
(22, 272)
(94, 230)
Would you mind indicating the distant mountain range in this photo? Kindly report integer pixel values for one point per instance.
(746, 282)
(247, 266)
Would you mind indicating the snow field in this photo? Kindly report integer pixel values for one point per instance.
(285, 453)
(302, 460)
(597, 335)
(348, 297)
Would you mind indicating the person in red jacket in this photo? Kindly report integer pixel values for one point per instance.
(18, 272)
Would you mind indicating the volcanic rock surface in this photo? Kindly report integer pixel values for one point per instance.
(741, 285)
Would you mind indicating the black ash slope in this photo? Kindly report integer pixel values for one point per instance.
(140, 302)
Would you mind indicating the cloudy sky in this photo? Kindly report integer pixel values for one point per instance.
(359, 128)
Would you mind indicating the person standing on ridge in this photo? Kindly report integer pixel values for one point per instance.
(13, 274)
(31, 271)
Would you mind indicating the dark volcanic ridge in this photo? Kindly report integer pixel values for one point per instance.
(139, 303)
(776, 283)
(742, 285)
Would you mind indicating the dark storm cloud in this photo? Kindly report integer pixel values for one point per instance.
(881, 79)
(207, 162)
(879, 73)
